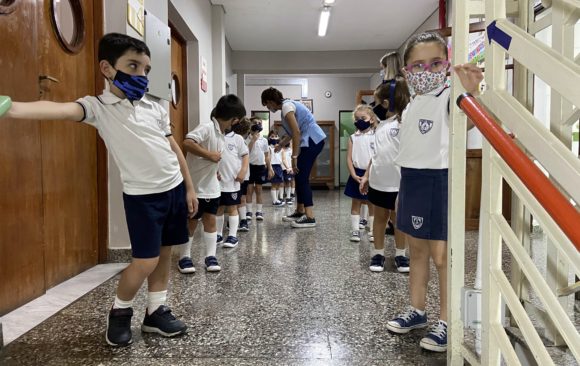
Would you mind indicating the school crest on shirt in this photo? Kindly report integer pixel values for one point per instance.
(372, 144)
(231, 147)
(425, 125)
(417, 222)
(394, 131)
(161, 124)
(235, 196)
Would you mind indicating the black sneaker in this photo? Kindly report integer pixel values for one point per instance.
(211, 264)
(119, 327)
(377, 263)
(291, 218)
(244, 226)
(163, 322)
(402, 264)
(304, 221)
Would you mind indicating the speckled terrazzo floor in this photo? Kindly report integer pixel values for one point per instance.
(284, 297)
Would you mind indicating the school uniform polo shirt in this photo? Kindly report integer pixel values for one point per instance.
(136, 136)
(203, 171)
(424, 140)
(260, 148)
(385, 176)
(275, 157)
(231, 163)
(363, 148)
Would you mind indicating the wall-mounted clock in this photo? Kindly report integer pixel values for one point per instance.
(328, 94)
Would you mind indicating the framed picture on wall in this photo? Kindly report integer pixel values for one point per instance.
(307, 103)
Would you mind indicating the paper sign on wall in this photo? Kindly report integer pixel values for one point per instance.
(204, 74)
(136, 15)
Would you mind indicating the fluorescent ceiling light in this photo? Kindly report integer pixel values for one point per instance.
(323, 23)
(328, 2)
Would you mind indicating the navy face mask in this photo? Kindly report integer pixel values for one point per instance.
(381, 112)
(134, 86)
(362, 125)
(256, 128)
(273, 141)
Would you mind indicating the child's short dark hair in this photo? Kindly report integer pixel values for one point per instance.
(228, 107)
(243, 127)
(422, 38)
(114, 45)
(272, 95)
(399, 100)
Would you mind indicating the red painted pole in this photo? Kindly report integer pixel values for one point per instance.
(442, 14)
(553, 201)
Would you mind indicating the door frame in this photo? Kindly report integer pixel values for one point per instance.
(185, 97)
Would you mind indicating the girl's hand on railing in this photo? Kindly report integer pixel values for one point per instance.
(470, 76)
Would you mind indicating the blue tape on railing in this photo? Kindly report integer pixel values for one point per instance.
(499, 36)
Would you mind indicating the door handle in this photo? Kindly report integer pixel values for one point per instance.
(49, 78)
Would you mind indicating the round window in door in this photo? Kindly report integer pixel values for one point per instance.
(175, 90)
(68, 23)
(7, 6)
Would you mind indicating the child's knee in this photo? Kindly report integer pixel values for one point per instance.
(144, 266)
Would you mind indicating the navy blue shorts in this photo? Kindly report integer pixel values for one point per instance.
(288, 177)
(244, 188)
(230, 198)
(258, 174)
(422, 210)
(278, 174)
(207, 205)
(155, 220)
(382, 199)
(352, 188)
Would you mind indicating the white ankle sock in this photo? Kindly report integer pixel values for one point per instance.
(259, 207)
(377, 251)
(185, 249)
(371, 223)
(400, 252)
(234, 223)
(219, 223)
(122, 304)
(210, 240)
(242, 212)
(354, 221)
(420, 312)
(274, 194)
(364, 212)
(155, 300)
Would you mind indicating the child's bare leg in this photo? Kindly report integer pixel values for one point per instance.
(438, 249)
(419, 272)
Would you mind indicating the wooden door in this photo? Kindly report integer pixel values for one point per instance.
(48, 174)
(178, 107)
(69, 156)
(21, 218)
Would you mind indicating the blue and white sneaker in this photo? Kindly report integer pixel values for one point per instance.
(402, 264)
(244, 226)
(355, 236)
(249, 216)
(436, 339)
(231, 242)
(377, 263)
(259, 216)
(362, 224)
(407, 321)
(211, 264)
(185, 265)
(278, 203)
(220, 239)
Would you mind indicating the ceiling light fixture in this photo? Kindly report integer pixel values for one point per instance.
(323, 22)
(328, 2)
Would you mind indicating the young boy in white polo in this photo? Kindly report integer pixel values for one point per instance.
(232, 171)
(157, 189)
(205, 145)
(259, 161)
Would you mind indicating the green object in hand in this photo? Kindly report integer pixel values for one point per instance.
(5, 104)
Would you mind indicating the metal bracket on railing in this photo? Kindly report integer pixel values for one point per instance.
(569, 290)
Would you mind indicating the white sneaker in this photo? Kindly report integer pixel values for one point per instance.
(355, 236)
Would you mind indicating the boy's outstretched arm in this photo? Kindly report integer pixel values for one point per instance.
(45, 110)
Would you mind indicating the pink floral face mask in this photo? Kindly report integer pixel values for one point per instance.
(425, 81)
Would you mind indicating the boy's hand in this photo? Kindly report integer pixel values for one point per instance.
(364, 185)
(270, 173)
(240, 177)
(215, 156)
(5, 104)
(277, 148)
(295, 166)
(356, 178)
(219, 176)
(192, 203)
(470, 76)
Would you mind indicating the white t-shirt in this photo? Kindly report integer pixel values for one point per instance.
(275, 157)
(136, 136)
(425, 132)
(231, 163)
(204, 171)
(257, 156)
(385, 176)
(363, 147)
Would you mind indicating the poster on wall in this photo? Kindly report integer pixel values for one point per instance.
(136, 15)
(204, 74)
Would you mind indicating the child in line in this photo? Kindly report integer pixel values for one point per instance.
(259, 161)
(205, 145)
(382, 178)
(361, 147)
(423, 158)
(232, 170)
(157, 188)
(276, 174)
(288, 174)
(243, 129)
